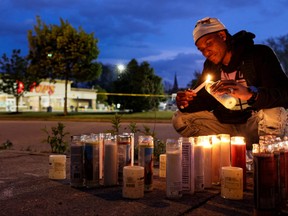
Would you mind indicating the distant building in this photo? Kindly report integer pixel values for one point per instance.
(175, 87)
(48, 94)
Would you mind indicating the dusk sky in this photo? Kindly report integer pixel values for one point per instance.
(157, 31)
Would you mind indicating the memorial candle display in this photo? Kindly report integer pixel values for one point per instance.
(57, 167)
(232, 183)
(173, 169)
(133, 182)
(238, 155)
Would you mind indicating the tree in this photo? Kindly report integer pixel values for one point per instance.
(193, 82)
(108, 76)
(16, 79)
(138, 79)
(280, 46)
(62, 52)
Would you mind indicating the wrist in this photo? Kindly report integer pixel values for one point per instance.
(254, 91)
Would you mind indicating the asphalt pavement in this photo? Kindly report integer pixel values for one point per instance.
(25, 189)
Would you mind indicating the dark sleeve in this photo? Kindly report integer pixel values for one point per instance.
(271, 80)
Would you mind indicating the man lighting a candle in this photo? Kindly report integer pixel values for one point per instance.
(249, 72)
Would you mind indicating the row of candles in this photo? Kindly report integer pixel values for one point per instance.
(192, 164)
(270, 161)
(189, 165)
(108, 160)
(202, 159)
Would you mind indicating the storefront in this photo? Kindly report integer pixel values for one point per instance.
(51, 95)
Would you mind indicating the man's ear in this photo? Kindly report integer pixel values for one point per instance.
(222, 34)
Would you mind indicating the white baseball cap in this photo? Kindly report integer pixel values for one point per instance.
(206, 26)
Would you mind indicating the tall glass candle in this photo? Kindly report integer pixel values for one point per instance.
(238, 155)
(145, 159)
(286, 169)
(266, 187)
(132, 146)
(110, 161)
(199, 167)
(76, 162)
(224, 149)
(91, 160)
(124, 154)
(101, 153)
(207, 165)
(216, 155)
(173, 169)
(205, 142)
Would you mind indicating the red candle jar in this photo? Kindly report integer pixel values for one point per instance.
(238, 155)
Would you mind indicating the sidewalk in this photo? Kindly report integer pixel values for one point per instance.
(25, 189)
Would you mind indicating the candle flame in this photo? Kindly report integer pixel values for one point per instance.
(208, 78)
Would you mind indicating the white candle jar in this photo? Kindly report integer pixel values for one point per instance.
(225, 99)
(133, 182)
(232, 183)
(173, 169)
(57, 167)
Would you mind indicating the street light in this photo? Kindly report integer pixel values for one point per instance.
(120, 68)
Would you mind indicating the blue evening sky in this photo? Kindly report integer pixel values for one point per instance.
(157, 31)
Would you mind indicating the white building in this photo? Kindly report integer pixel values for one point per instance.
(48, 94)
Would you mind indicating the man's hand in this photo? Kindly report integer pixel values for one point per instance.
(184, 98)
(231, 87)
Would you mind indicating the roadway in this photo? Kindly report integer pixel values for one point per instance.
(28, 135)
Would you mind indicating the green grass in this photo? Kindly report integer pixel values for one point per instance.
(155, 116)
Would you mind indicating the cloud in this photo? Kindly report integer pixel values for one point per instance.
(156, 31)
(183, 65)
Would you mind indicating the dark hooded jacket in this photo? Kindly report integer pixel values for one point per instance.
(260, 68)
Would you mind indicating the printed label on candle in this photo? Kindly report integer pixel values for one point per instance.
(232, 183)
(188, 180)
(162, 166)
(145, 159)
